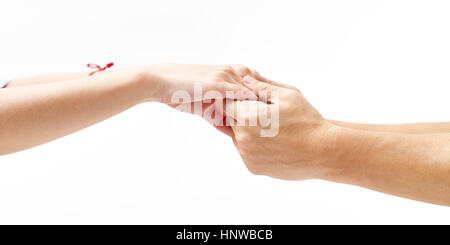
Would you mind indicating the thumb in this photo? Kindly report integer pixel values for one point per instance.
(258, 76)
(243, 114)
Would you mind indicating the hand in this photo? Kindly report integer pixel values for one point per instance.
(298, 148)
(166, 79)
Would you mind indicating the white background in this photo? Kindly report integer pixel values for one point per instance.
(365, 61)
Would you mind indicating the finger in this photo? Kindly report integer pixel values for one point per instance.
(227, 130)
(265, 91)
(241, 70)
(222, 128)
(231, 76)
(243, 113)
(228, 111)
(257, 85)
(239, 92)
(216, 91)
(244, 93)
(258, 76)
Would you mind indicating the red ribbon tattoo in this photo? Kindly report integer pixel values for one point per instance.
(99, 68)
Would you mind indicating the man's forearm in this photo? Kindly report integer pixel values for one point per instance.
(307, 146)
(410, 128)
(32, 115)
(411, 166)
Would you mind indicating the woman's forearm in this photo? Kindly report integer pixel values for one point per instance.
(32, 115)
(411, 166)
(35, 114)
(410, 128)
(46, 78)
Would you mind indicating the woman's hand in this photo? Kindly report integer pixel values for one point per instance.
(166, 79)
(195, 81)
(46, 110)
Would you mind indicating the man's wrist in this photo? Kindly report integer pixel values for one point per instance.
(334, 143)
(349, 152)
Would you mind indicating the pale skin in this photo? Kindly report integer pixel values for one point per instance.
(39, 109)
(415, 166)
(408, 160)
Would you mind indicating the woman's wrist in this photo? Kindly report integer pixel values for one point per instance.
(146, 80)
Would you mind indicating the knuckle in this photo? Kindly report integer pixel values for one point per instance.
(243, 69)
(252, 168)
(221, 74)
(227, 69)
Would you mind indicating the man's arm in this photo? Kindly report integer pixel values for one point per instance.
(307, 146)
(411, 166)
(410, 128)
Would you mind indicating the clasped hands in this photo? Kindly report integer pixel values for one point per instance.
(278, 133)
(292, 146)
(275, 129)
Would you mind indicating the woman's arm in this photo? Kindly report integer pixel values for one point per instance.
(411, 128)
(35, 114)
(46, 78)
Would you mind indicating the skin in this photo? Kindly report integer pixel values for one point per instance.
(46, 78)
(240, 70)
(410, 128)
(415, 166)
(34, 112)
(41, 108)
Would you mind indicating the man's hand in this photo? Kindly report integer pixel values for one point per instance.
(298, 150)
(308, 146)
